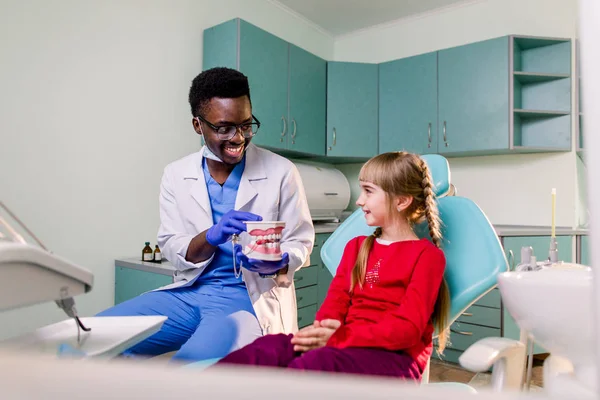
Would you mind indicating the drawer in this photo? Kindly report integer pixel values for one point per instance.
(306, 315)
(306, 276)
(463, 335)
(492, 299)
(485, 316)
(306, 296)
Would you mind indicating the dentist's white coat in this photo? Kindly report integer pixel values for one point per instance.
(270, 187)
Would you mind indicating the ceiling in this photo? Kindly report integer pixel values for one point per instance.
(339, 17)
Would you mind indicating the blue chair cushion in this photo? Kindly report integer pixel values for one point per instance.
(440, 173)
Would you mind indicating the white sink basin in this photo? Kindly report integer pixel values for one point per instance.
(555, 306)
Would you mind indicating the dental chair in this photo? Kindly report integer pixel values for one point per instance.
(474, 257)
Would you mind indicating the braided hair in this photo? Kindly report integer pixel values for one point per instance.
(402, 173)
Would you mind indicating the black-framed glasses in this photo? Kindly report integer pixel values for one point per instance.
(226, 132)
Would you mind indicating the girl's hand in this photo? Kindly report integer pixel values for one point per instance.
(315, 335)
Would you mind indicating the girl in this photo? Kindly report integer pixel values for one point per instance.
(388, 293)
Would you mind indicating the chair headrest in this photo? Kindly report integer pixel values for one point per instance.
(440, 173)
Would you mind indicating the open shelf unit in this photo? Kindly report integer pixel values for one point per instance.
(540, 93)
(579, 139)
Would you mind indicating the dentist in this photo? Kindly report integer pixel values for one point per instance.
(204, 199)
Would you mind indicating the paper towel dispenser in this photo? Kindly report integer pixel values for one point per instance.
(327, 190)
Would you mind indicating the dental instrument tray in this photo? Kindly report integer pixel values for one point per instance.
(108, 337)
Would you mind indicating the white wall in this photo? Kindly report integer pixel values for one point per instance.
(93, 106)
(513, 189)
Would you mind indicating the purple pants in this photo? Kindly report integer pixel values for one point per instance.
(278, 351)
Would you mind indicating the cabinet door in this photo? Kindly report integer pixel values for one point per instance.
(473, 98)
(264, 59)
(308, 98)
(352, 115)
(541, 245)
(325, 276)
(408, 104)
(220, 44)
(585, 251)
(130, 283)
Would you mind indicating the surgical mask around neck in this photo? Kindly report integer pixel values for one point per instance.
(209, 154)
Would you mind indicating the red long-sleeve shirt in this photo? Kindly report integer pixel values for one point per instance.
(394, 307)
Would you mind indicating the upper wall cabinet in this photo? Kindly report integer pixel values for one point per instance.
(473, 97)
(504, 95)
(287, 84)
(408, 104)
(352, 110)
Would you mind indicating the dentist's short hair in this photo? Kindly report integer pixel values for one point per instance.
(219, 82)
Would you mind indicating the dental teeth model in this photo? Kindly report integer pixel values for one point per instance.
(265, 238)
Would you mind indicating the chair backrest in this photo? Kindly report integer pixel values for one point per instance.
(474, 255)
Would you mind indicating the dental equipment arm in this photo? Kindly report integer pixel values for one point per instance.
(30, 275)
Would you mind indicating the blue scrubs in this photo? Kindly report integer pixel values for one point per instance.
(210, 318)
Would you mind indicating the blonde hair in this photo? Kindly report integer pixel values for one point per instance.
(406, 174)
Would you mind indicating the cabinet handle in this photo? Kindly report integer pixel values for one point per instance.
(298, 279)
(511, 263)
(462, 333)
(467, 314)
(429, 135)
(445, 138)
(299, 299)
(284, 129)
(294, 132)
(334, 136)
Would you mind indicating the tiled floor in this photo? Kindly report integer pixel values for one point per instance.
(447, 372)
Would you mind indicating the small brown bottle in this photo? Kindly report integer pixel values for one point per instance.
(147, 253)
(157, 255)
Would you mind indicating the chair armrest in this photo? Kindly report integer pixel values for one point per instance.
(506, 356)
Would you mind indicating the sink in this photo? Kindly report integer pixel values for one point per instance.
(554, 305)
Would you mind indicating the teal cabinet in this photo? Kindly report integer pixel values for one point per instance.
(473, 98)
(352, 110)
(264, 60)
(311, 284)
(408, 97)
(325, 277)
(308, 102)
(584, 250)
(130, 283)
(541, 245)
(287, 84)
(481, 320)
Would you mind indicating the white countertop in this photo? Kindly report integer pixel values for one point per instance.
(166, 268)
(501, 230)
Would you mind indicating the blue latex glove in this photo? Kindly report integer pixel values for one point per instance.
(264, 268)
(231, 223)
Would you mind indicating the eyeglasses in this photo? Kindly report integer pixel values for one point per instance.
(226, 132)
